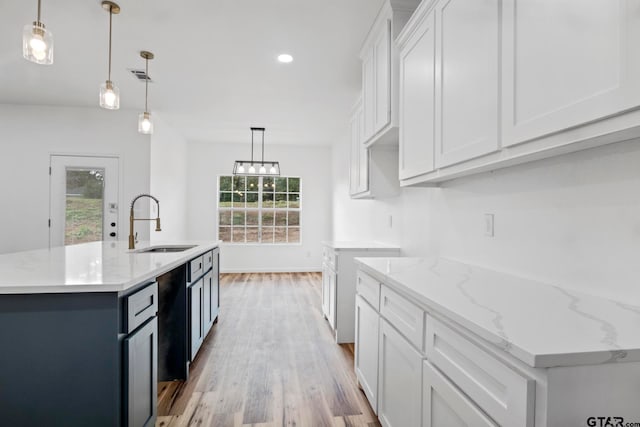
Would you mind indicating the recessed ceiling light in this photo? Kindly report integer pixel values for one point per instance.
(285, 57)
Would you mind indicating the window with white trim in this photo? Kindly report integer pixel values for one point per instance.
(259, 209)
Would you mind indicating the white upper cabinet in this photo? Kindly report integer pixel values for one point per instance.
(467, 63)
(380, 72)
(567, 63)
(368, 93)
(417, 95)
(373, 172)
(514, 81)
(359, 173)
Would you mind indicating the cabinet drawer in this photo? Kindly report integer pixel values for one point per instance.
(504, 394)
(141, 306)
(196, 268)
(369, 289)
(403, 315)
(208, 260)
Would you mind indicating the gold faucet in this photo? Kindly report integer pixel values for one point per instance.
(132, 238)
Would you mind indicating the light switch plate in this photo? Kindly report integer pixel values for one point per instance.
(488, 225)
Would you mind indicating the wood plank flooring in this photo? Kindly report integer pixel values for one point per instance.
(269, 361)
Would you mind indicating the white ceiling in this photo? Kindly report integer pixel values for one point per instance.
(215, 72)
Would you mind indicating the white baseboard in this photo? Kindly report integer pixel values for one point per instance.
(270, 270)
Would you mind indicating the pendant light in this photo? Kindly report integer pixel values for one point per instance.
(37, 42)
(145, 125)
(109, 93)
(239, 165)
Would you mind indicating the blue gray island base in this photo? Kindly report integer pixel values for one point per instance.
(94, 358)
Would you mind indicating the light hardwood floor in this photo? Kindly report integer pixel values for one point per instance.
(269, 361)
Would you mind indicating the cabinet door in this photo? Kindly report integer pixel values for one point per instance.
(141, 375)
(363, 158)
(207, 303)
(581, 65)
(467, 61)
(417, 94)
(368, 94)
(444, 405)
(325, 290)
(332, 298)
(366, 350)
(399, 380)
(196, 299)
(354, 163)
(382, 76)
(359, 176)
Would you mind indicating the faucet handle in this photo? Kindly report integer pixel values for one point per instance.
(136, 237)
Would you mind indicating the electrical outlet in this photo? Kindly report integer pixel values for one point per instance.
(488, 225)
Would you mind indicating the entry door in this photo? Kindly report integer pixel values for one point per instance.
(83, 199)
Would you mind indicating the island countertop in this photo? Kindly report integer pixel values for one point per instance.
(540, 324)
(91, 267)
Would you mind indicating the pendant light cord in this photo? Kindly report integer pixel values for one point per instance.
(110, 25)
(38, 12)
(146, 85)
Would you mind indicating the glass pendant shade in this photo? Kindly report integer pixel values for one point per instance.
(37, 44)
(145, 124)
(109, 96)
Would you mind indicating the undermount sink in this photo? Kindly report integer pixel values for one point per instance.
(173, 248)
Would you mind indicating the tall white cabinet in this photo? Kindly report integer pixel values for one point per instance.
(339, 282)
(484, 85)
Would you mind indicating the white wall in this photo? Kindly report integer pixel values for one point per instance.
(573, 220)
(312, 164)
(30, 134)
(169, 180)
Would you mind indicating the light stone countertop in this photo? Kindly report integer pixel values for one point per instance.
(90, 267)
(358, 245)
(540, 324)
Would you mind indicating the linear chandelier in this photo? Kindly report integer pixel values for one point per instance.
(248, 167)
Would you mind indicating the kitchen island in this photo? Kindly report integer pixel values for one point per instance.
(87, 331)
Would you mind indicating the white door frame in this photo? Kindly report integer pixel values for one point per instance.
(111, 203)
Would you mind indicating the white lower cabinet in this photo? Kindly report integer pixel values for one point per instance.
(504, 394)
(418, 370)
(366, 350)
(443, 405)
(399, 380)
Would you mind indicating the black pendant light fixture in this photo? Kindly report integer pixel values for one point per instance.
(256, 168)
